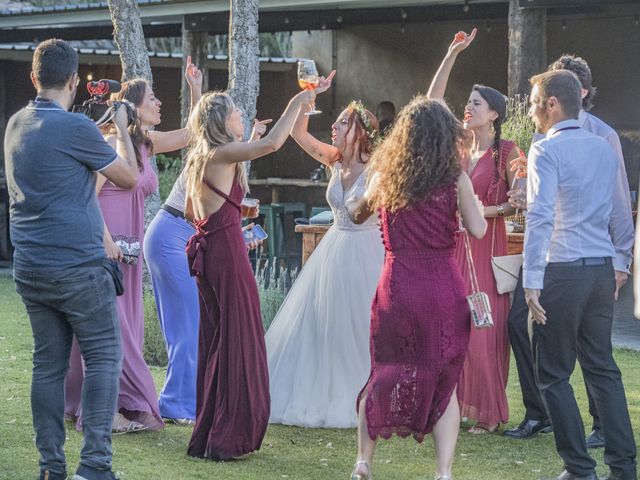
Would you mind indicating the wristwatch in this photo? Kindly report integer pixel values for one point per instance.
(500, 212)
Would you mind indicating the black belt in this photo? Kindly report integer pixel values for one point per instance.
(173, 211)
(584, 262)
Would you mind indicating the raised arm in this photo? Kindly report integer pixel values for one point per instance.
(235, 152)
(123, 172)
(177, 139)
(439, 83)
(320, 151)
(470, 208)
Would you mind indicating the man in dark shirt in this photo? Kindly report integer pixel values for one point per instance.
(56, 226)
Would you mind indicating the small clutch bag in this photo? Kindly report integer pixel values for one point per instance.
(478, 301)
(130, 247)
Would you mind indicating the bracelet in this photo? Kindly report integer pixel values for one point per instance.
(500, 211)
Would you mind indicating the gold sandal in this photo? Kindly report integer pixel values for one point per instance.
(361, 476)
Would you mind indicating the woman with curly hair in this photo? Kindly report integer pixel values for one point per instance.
(483, 382)
(317, 344)
(419, 317)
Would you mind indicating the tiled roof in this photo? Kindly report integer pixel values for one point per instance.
(21, 9)
(23, 47)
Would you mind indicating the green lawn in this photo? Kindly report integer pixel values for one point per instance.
(287, 452)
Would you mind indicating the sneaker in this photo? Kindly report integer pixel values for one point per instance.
(88, 473)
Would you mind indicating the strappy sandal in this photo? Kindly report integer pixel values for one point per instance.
(443, 477)
(361, 476)
(122, 425)
(481, 429)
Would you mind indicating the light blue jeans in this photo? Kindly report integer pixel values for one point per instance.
(78, 301)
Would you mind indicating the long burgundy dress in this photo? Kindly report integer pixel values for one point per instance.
(232, 386)
(419, 319)
(482, 389)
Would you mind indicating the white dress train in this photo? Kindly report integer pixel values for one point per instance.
(318, 343)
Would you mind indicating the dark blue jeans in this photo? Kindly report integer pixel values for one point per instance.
(78, 301)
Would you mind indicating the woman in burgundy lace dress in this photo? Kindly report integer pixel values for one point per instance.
(420, 319)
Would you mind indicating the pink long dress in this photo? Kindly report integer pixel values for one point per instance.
(481, 391)
(123, 212)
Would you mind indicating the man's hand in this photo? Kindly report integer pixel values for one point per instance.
(621, 279)
(532, 296)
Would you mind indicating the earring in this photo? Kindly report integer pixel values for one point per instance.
(493, 128)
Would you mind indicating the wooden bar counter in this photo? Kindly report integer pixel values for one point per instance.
(312, 234)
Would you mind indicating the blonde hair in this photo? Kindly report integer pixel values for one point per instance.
(207, 130)
(420, 154)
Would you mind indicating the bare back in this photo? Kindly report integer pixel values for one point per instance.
(220, 174)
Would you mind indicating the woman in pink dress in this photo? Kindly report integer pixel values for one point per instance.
(419, 317)
(484, 377)
(123, 212)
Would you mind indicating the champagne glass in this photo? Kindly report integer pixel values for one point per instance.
(308, 79)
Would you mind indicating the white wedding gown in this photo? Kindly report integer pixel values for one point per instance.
(318, 343)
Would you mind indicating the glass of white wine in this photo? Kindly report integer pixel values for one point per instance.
(308, 79)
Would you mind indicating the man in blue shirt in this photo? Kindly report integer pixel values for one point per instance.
(622, 236)
(568, 277)
(52, 157)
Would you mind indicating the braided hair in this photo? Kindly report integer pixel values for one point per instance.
(498, 103)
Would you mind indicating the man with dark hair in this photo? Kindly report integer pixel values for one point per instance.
(568, 277)
(386, 114)
(60, 266)
(621, 229)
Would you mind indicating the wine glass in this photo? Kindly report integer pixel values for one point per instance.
(308, 79)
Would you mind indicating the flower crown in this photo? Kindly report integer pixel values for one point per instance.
(372, 133)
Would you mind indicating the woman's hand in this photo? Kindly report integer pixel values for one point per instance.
(519, 165)
(461, 41)
(259, 129)
(324, 84)
(254, 244)
(113, 250)
(193, 75)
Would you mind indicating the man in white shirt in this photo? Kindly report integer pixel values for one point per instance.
(568, 277)
(621, 229)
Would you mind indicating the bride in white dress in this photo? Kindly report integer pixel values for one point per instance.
(318, 343)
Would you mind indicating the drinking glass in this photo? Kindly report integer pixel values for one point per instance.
(308, 79)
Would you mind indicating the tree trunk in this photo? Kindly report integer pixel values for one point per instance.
(527, 46)
(244, 58)
(195, 45)
(128, 35)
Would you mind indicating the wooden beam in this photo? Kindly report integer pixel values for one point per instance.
(571, 3)
(98, 32)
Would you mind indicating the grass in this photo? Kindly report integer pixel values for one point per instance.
(287, 452)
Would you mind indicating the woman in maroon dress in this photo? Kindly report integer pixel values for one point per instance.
(232, 384)
(419, 317)
(482, 387)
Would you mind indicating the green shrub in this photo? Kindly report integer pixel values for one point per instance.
(273, 285)
(155, 352)
(168, 170)
(519, 127)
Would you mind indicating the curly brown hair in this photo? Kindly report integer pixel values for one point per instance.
(421, 153)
